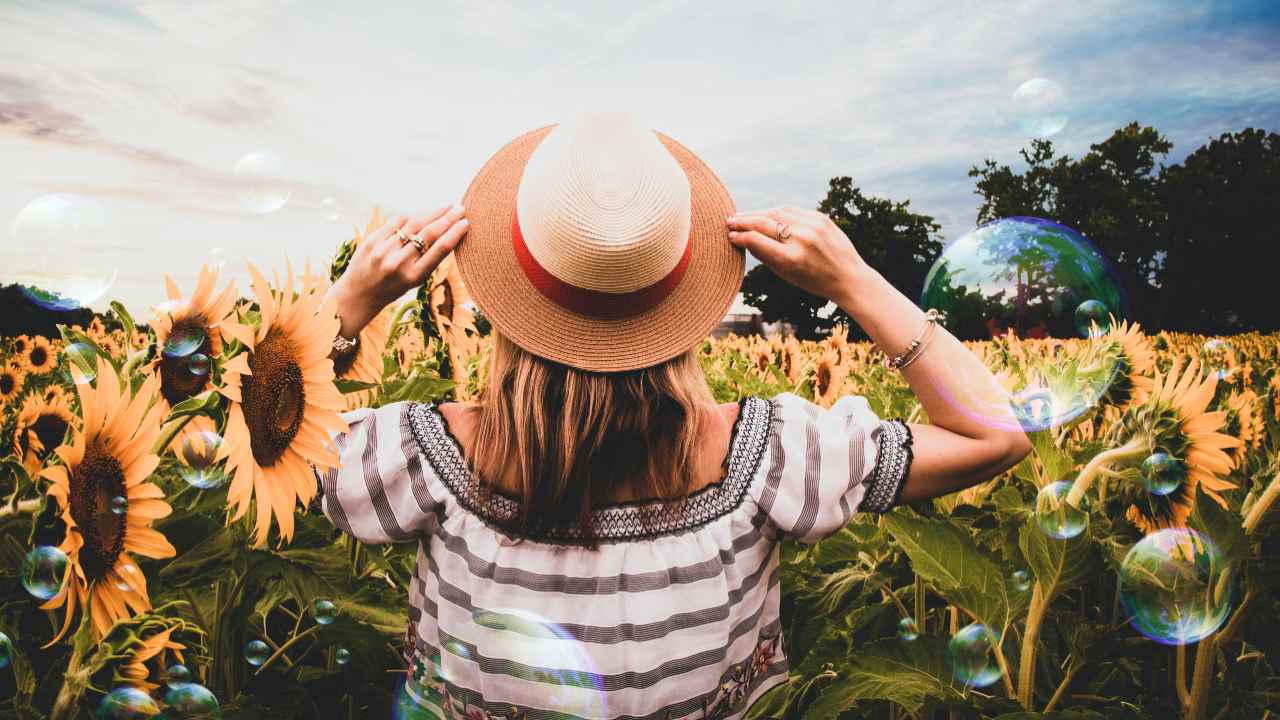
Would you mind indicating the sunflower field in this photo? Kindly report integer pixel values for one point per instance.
(162, 555)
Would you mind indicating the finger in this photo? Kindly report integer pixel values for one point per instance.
(443, 245)
(763, 247)
(415, 225)
(386, 234)
(763, 224)
(439, 225)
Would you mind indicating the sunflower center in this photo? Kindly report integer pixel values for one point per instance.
(824, 379)
(50, 430)
(94, 483)
(274, 398)
(39, 356)
(177, 381)
(7, 383)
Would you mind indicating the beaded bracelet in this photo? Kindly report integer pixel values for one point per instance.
(916, 349)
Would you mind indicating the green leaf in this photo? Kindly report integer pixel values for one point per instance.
(901, 672)
(195, 404)
(349, 386)
(125, 318)
(1057, 564)
(1224, 527)
(947, 558)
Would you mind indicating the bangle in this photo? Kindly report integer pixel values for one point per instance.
(917, 346)
(343, 347)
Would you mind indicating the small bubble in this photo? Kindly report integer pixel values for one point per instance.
(127, 703)
(191, 701)
(199, 454)
(6, 651)
(119, 505)
(263, 188)
(1217, 358)
(1055, 516)
(198, 364)
(183, 341)
(907, 629)
(1021, 580)
(325, 611)
(342, 656)
(256, 652)
(973, 657)
(1162, 473)
(176, 675)
(43, 570)
(1092, 318)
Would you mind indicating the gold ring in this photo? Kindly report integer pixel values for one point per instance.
(417, 242)
(404, 239)
(784, 230)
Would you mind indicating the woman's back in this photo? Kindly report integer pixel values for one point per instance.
(670, 616)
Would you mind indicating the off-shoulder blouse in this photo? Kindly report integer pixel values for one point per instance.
(669, 617)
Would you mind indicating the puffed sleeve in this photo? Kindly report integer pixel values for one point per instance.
(826, 464)
(380, 492)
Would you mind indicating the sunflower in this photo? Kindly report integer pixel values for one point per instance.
(828, 379)
(55, 393)
(1248, 422)
(189, 333)
(1128, 352)
(20, 345)
(40, 356)
(1174, 420)
(11, 379)
(40, 428)
(134, 671)
(838, 342)
(284, 405)
(446, 311)
(109, 459)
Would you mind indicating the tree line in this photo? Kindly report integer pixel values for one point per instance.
(1189, 241)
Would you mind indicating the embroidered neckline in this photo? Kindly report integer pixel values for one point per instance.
(619, 521)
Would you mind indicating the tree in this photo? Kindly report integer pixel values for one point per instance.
(21, 316)
(899, 243)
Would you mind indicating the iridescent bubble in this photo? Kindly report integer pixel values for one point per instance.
(907, 629)
(198, 364)
(1021, 580)
(1034, 408)
(1163, 473)
(201, 467)
(62, 255)
(43, 570)
(82, 362)
(1175, 586)
(570, 682)
(256, 652)
(1217, 358)
(342, 656)
(263, 188)
(1091, 319)
(1055, 516)
(176, 675)
(119, 505)
(972, 652)
(325, 611)
(1040, 107)
(1027, 277)
(127, 703)
(6, 651)
(191, 701)
(184, 341)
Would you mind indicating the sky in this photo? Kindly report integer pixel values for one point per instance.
(143, 111)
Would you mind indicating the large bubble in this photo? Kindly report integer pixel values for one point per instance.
(972, 652)
(256, 652)
(82, 362)
(61, 252)
(191, 701)
(127, 703)
(1040, 107)
(1055, 516)
(1032, 278)
(6, 651)
(262, 185)
(1175, 586)
(201, 467)
(43, 570)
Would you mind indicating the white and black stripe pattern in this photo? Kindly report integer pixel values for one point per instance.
(675, 621)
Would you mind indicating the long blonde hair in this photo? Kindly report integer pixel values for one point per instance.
(574, 436)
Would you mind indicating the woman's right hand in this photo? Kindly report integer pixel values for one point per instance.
(815, 255)
(384, 267)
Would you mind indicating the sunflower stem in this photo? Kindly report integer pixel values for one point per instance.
(397, 318)
(1139, 446)
(1262, 505)
(21, 507)
(1030, 643)
(1206, 657)
(285, 646)
(76, 678)
(169, 432)
(1072, 669)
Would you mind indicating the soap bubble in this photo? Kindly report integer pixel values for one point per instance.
(569, 683)
(907, 629)
(119, 505)
(217, 260)
(61, 252)
(1040, 107)
(198, 364)
(1028, 277)
(1162, 473)
(325, 611)
(1175, 586)
(263, 188)
(127, 703)
(183, 341)
(191, 701)
(1057, 518)
(256, 652)
(1091, 318)
(177, 674)
(1021, 580)
(122, 585)
(972, 653)
(43, 571)
(342, 656)
(1217, 358)
(82, 362)
(200, 468)
(6, 651)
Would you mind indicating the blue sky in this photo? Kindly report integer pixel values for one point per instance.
(147, 107)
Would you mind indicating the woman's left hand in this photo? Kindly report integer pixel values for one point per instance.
(386, 266)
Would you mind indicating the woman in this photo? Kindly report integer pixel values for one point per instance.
(597, 537)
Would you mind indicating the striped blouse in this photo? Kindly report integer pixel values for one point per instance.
(667, 618)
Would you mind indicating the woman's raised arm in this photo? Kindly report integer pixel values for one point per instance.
(963, 446)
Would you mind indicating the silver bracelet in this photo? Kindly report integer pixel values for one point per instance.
(917, 346)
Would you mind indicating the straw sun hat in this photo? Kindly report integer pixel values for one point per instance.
(599, 244)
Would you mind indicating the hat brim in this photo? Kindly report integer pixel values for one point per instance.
(499, 287)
